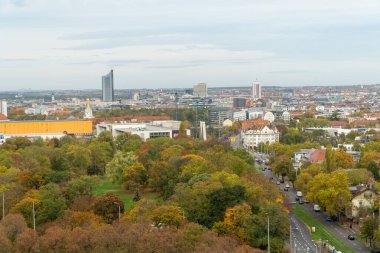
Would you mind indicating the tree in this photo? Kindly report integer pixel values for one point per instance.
(116, 167)
(330, 191)
(6, 245)
(13, 225)
(82, 186)
(368, 229)
(135, 176)
(343, 159)
(283, 166)
(167, 215)
(373, 166)
(27, 241)
(53, 203)
(101, 154)
(330, 160)
(107, 207)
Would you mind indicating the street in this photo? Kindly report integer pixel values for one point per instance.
(303, 240)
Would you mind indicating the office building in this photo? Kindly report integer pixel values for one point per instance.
(200, 90)
(239, 102)
(107, 87)
(256, 90)
(4, 108)
(216, 116)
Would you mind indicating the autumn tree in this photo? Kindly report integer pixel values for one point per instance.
(135, 176)
(330, 191)
(13, 225)
(343, 159)
(107, 207)
(167, 215)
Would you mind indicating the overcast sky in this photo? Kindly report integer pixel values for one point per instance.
(70, 44)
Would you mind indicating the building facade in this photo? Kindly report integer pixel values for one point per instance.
(256, 90)
(107, 87)
(258, 131)
(200, 90)
(216, 116)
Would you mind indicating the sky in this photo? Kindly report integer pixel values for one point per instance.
(70, 44)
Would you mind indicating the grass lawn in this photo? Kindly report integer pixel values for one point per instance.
(321, 231)
(106, 186)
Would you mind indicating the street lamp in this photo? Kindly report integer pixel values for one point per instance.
(118, 205)
(34, 217)
(3, 205)
(268, 236)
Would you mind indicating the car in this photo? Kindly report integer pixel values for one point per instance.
(278, 182)
(287, 186)
(297, 198)
(301, 201)
(351, 237)
(286, 189)
(317, 208)
(331, 218)
(282, 181)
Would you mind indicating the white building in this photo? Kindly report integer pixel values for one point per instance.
(269, 116)
(240, 115)
(4, 108)
(203, 131)
(145, 131)
(256, 90)
(200, 90)
(286, 116)
(258, 131)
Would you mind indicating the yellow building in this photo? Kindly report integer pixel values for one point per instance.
(19, 128)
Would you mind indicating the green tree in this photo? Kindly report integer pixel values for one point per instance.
(53, 204)
(101, 154)
(330, 160)
(116, 167)
(368, 229)
(82, 186)
(374, 167)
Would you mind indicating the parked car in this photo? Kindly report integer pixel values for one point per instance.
(278, 182)
(331, 218)
(317, 208)
(297, 198)
(301, 201)
(287, 186)
(282, 181)
(351, 237)
(286, 189)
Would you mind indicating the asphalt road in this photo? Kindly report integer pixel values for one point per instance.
(341, 232)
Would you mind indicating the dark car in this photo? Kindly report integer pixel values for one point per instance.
(331, 218)
(282, 181)
(297, 198)
(351, 237)
(301, 201)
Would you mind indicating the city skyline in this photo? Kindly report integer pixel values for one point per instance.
(167, 44)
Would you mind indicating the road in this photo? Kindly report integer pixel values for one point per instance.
(334, 227)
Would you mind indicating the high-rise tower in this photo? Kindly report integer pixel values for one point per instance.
(107, 87)
(256, 90)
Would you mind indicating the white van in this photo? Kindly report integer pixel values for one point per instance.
(317, 208)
